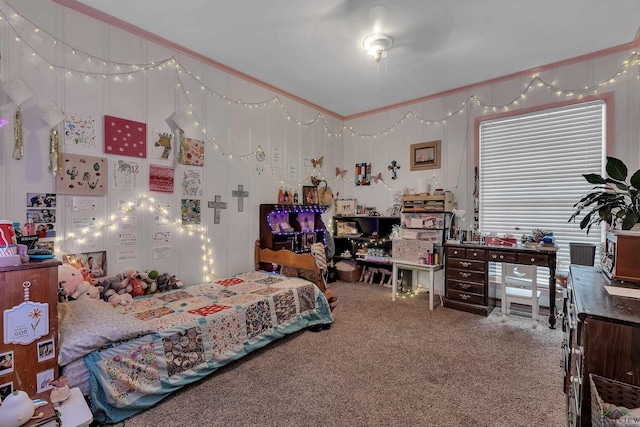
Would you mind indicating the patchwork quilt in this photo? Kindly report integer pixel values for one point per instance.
(197, 329)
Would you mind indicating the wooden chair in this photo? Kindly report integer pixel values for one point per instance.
(519, 285)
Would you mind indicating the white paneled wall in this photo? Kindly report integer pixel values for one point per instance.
(151, 97)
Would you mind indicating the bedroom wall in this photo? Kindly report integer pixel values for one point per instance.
(438, 119)
(151, 97)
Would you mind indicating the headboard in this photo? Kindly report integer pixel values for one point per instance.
(284, 257)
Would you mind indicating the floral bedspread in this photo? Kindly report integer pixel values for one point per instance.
(198, 329)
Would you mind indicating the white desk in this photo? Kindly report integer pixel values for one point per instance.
(410, 265)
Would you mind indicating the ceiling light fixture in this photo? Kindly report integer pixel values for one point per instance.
(377, 45)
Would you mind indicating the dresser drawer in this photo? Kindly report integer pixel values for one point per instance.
(533, 259)
(465, 275)
(456, 252)
(498, 256)
(457, 285)
(465, 296)
(475, 254)
(466, 264)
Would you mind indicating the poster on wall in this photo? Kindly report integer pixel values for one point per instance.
(125, 137)
(79, 130)
(161, 178)
(124, 174)
(96, 262)
(192, 152)
(191, 182)
(86, 175)
(162, 216)
(363, 174)
(190, 209)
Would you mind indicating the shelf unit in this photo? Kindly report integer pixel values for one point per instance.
(292, 227)
(426, 231)
(369, 231)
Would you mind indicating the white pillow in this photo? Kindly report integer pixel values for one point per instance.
(87, 325)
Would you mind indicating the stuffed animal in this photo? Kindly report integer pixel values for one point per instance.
(113, 285)
(163, 282)
(133, 278)
(68, 279)
(88, 276)
(152, 284)
(86, 290)
(120, 299)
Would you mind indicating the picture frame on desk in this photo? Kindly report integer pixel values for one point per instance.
(6, 389)
(425, 155)
(345, 207)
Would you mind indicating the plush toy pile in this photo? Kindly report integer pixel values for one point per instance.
(117, 290)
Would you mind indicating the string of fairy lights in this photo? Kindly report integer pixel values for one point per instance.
(131, 207)
(34, 40)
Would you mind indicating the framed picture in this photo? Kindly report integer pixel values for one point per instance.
(46, 350)
(425, 155)
(359, 209)
(6, 363)
(309, 195)
(96, 262)
(6, 389)
(345, 207)
(347, 228)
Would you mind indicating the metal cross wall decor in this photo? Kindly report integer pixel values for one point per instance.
(217, 204)
(240, 194)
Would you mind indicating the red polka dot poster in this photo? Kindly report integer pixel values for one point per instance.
(125, 137)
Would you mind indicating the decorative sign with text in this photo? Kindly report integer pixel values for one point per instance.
(26, 322)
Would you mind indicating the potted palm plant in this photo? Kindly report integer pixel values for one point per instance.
(613, 200)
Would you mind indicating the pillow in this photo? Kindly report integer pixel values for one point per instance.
(87, 325)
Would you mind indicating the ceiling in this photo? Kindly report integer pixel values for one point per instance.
(314, 49)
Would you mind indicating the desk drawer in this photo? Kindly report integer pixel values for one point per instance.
(533, 259)
(466, 264)
(465, 296)
(465, 275)
(456, 252)
(498, 256)
(475, 288)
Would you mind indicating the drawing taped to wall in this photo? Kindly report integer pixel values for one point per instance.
(87, 175)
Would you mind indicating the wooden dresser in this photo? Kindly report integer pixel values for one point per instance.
(38, 359)
(601, 336)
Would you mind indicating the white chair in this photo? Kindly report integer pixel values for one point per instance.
(519, 286)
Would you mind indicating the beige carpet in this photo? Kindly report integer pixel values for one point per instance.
(385, 364)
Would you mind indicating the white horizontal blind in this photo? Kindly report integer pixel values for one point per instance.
(531, 168)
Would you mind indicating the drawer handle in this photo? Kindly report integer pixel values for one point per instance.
(475, 254)
(465, 297)
(494, 256)
(455, 252)
(533, 259)
(465, 285)
(465, 275)
(501, 256)
(465, 263)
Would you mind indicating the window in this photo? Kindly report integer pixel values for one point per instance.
(531, 168)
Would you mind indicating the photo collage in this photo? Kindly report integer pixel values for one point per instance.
(41, 211)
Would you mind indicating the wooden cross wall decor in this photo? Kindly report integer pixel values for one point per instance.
(217, 204)
(240, 194)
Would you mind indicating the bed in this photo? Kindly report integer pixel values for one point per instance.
(130, 357)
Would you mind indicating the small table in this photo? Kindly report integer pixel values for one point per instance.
(410, 265)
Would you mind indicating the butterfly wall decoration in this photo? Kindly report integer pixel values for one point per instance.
(317, 163)
(340, 173)
(376, 178)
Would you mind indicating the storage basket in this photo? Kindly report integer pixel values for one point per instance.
(605, 390)
(350, 276)
(582, 253)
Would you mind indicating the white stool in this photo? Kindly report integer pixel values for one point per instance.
(520, 289)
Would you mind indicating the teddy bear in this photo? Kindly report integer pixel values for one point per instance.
(86, 290)
(68, 280)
